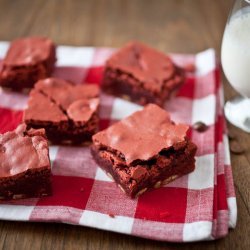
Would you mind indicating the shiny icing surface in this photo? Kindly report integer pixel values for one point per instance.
(146, 64)
(81, 110)
(29, 51)
(142, 135)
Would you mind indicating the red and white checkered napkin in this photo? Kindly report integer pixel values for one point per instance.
(198, 206)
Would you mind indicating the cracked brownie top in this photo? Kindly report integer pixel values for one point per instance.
(57, 100)
(142, 135)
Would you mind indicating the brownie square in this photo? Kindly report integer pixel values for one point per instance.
(142, 74)
(67, 111)
(145, 150)
(24, 164)
(27, 61)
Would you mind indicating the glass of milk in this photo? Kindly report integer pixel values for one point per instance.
(235, 58)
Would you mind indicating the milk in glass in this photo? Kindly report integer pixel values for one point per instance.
(236, 51)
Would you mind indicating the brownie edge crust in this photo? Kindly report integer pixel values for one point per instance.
(135, 179)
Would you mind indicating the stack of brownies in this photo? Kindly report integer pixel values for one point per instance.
(141, 152)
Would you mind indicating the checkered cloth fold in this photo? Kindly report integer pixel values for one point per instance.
(198, 206)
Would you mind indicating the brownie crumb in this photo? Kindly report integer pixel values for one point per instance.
(190, 67)
(232, 135)
(111, 215)
(200, 127)
(236, 148)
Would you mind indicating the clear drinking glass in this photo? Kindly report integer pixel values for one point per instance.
(235, 58)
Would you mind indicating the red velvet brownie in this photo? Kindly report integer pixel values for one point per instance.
(142, 74)
(24, 164)
(68, 112)
(27, 61)
(141, 153)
